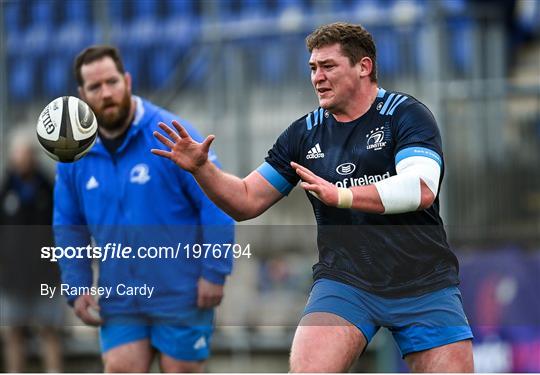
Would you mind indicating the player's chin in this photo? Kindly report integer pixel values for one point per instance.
(325, 103)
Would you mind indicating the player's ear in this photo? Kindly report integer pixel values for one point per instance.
(366, 67)
(127, 77)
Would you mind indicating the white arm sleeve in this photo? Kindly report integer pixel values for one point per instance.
(401, 193)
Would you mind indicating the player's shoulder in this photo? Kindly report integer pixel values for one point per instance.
(154, 114)
(397, 104)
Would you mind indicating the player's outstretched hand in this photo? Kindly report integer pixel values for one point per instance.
(319, 187)
(184, 151)
(87, 309)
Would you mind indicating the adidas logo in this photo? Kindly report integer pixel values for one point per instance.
(200, 343)
(92, 183)
(315, 152)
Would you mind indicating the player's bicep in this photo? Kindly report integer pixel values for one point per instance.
(416, 183)
(424, 163)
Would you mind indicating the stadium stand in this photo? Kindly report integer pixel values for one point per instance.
(143, 28)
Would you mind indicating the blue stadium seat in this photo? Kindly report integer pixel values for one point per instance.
(198, 69)
(180, 8)
(119, 12)
(13, 26)
(228, 10)
(21, 85)
(161, 65)
(78, 11)
(454, 7)
(285, 5)
(143, 32)
(388, 57)
(43, 13)
(460, 47)
(272, 62)
(178, 32)
(12, 16)
(57, 75)
(303, 70)
(132, 64)
(344, 5)
(36, 40)
(255, 9)
(135, 23)
(71, 37)
(144, 9)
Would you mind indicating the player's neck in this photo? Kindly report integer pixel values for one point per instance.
(114, 133)
(359, 104)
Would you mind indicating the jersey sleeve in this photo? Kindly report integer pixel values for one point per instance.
(277, 168)
(417, 134)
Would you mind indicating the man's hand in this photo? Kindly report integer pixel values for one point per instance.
(87, 309)
(319, 187)
(185, 152)
(209, 294)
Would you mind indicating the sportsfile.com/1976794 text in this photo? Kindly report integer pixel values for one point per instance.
(118, 251)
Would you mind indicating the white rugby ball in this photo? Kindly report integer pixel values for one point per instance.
(67, 129)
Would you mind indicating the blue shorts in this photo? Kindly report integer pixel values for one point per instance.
(417, 323)
(184, 342)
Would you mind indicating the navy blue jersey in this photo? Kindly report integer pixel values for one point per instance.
(390, 255)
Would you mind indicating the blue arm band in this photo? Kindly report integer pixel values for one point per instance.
(275, 179)
(418, 151)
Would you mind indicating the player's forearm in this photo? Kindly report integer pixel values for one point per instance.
(227, 191)
(366, 199)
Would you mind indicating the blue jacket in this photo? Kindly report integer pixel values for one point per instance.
(139, 199)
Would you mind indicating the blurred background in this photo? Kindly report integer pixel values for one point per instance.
(238, 69)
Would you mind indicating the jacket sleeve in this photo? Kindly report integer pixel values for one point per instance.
(217, 229)
(70, 229)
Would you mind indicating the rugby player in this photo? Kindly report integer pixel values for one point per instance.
(371, 162)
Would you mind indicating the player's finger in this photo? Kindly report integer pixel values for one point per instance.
(208, 302)
(183, 133)
(93, 303)
(207, 142)
(163, 153)
(86, 317)
(299, 167)
(91, 320)
(309, 187)
(171, 133)
(166, 141)
(306, 176)
(217, 300)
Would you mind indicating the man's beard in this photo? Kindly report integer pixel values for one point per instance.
(117, 120)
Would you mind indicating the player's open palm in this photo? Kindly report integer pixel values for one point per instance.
(319, 187)
(184, 150)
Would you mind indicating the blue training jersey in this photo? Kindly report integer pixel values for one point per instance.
(391, 255)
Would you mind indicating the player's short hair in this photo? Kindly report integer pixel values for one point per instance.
(356, 42)
(94, 53)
